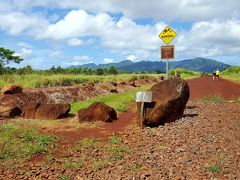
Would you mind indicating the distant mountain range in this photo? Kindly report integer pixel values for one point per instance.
(197, 64)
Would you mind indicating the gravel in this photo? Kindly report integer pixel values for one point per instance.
(203, 144)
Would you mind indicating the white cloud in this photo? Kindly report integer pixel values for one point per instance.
(75, 42)
(16, 23)
(210, 39)
(24, 45)
(55, 54)
(123, 34)
(193, 10)
(108, 60)
(214, 32)
(78, 23)
(131, 57)
(83, 58)
(25, 53)
(78, 60)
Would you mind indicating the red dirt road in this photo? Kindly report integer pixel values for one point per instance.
(206, 87)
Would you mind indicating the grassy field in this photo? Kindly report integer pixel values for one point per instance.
(36, 80)
(18, 143)
(119, 102)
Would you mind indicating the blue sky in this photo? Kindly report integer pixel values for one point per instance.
(74, 32)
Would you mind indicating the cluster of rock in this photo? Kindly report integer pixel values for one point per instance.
(13, 102)
(169, 101)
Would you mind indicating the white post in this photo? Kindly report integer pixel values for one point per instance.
(167, 69)
(142, 109)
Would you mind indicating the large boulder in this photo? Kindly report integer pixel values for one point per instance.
(97, 112)
(52, 111)
(169, 101)
(10, 104)
(11, 89)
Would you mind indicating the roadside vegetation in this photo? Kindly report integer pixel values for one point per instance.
(53, 80)
(120, 102)
(184, 73)
(232, 73)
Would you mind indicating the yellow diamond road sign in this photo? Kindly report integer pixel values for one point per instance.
(167, 35)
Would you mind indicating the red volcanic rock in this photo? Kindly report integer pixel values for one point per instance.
(10, 104)
(169, 101)
(29, 110)
(121, 82)
(97, 112)
(11, 110)
(11, 89)
(52, 111)
(114, 90)
(132, 83)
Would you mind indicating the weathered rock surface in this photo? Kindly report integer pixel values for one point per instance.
(169, 101)
(29, 110)
(52, 111)
(97, 112)
(11, 89)
(132, 83)
(121, 82)
(9, 110)
(29, 107)
(10, 104)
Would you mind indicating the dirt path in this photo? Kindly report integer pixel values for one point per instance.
(124, 119)
(206, 87)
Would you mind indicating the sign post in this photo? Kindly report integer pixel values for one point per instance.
(143, 97)
(167, 35)
(167, 52)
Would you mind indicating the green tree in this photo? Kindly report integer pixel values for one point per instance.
(7, 56)
(113, 70)
(25, 70)
(99, 71)
(158, 71)
(59, 69)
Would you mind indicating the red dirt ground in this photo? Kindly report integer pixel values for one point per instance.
(206, 87)
(199, 88)
(124, 119)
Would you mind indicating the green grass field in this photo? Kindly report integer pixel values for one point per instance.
(119, 102)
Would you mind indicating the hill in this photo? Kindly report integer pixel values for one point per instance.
(197, 64)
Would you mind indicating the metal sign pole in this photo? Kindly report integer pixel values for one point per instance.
(167, 69)
(142, 108)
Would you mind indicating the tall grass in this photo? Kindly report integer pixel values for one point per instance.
(232, 73)
(40, 80)
(184, 73)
